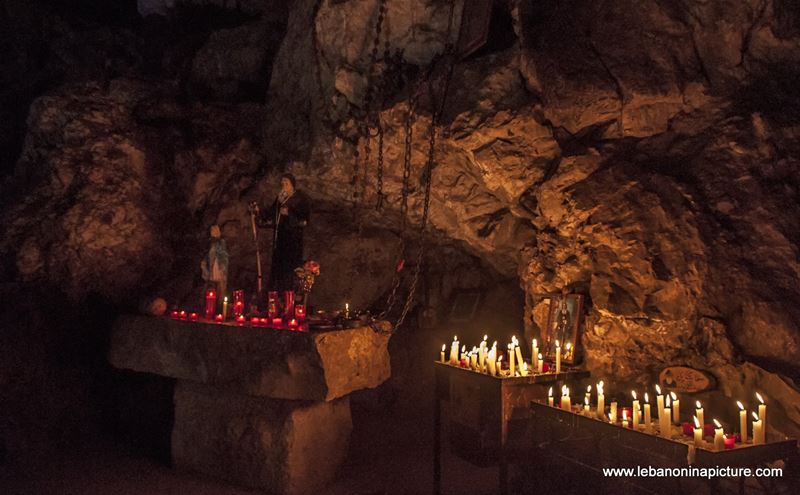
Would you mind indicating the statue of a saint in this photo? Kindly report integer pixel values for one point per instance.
(215, 265)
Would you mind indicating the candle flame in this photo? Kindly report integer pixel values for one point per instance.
(550, 392)
(699, 406)
(586, 400)
(225, 299)
(717, 423)
(674, 397)
(557, 344)
(599, 387)
(455, 338)
(534, 343)
(589, 389)
(668, 402)
(658, 389)
(633, 393)
(756, 416)
(444, 347)
(564, 390)
(525, 366)
(624, 415)
(485, 337)
(741, 407)
(499, 359)
(540, 356)
(514, 339)
(569, 345)
(494, 345)
(760, 399)
(463, 348)
(646, 398)
(696, 422)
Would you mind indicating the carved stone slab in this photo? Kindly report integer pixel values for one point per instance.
(282, 447)
(685, 379)
(280, 364)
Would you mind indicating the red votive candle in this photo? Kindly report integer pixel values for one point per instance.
(240, 320)
(288, 303)
(300, 312)
(730, 441)
(708, 430)
(292, 323)
(175, 315)
(277, 322)
(545, 367)
(218, 318)
(193, 316)
(255, 321)
(211, 303)
(688, 429)
(182, 314)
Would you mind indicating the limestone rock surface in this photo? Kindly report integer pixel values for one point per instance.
(279, 364)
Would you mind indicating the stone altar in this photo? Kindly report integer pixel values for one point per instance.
(259, 407)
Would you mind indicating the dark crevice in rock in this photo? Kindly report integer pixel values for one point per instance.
(758, 17)
(617, 84)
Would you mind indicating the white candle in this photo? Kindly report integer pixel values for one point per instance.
(473, 358)
(500, 366)
(511, 362)
(762, 415)
(624, 418)
(347, 310)
(588, 396)
(659, 402)
(491, 361)
(756, 430)
(539, 364)
(558, 357)
(482, 355)
(742, 421)
(698, 433)
(524, 370)
(565, 402)
(464, 356)
(441, 354)
(699, 413)
(535, 354)
(719, 440)
(586, 408)
(612, 412)
(601, 401)
(517, 352)
(665, 421)
(454, 350)
(550, 397)
(676, 409)
(225, 308)
(635, 409)
(647, 418)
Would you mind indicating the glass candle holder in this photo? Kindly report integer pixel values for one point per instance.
(238, 303)
(288, 304)
(211, 303)
(300, 312)
(272, 304)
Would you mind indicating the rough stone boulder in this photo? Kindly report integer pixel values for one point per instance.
(284, 447)
(279, 364)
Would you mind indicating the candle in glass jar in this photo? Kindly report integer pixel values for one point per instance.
(300, 312)
(182, 315)
(193, 316)
(742, 421)
(730, 441)
(293, 323)
(238, 303)
(211, 304)
(676, 408)
(218, 318)
(175, 314)
(277, 322)
(240, 320)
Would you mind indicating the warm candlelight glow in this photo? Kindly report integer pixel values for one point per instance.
(550, 392)
(674, 397)
(755, 416)
(741, 407)
(717, 423)
(624, 415)
(557, 344)
(760, 399)
(698, 404)
(633, 393)
(444, 347)
(589, 389)
(668, 401)
(658, 389)
(696, 422)
(646, 398)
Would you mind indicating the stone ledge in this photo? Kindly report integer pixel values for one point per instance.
(279, 364)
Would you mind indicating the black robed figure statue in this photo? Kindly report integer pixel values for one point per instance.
(288, 216)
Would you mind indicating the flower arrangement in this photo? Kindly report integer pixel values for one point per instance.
(306, 276)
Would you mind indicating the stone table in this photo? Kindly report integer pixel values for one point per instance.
(259, 407)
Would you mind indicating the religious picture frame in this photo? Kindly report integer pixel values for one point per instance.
(563, 325)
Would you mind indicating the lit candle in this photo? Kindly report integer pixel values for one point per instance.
(565, 402)
(719, 441)
(535, 354)
(624, 418)
(193, 317)
(647, 418)
(588, 395)
(175, 314)
(473, 358)
(277, 322)
(762, 414)
(558, 357)
(698, 433)
(757, 430)
(463, 359)
(568, 351)
(539, 363)
(511, 360)
(699, 413)
(454, 350)
(300, 312)
(240, 320)
(293, 323)
(676, 408)
(211, 304)
(347, 310)
(586, 406)
(218, 318)
(666, 421)
(550, 397)
(482, 355)
(500, 366)
(601, 401)
(441, 354)
(612, 413)
(524, 371)
(225, 308)
(255, 320)
(742, 421)
(517, 352)
(659, 402)
(182, 315)
(491, 360)
(730, 441)
(635, 411)
(238, 303)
